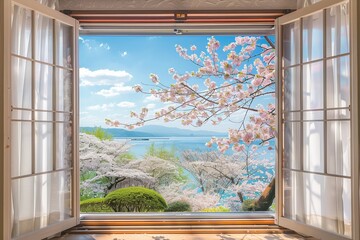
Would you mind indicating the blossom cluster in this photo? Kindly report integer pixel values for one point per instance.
(222, 88)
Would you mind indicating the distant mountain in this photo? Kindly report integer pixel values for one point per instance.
(118, 132)
(177, 132)
(156, 131)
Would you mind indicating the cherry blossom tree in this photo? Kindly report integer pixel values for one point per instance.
(101, 172)
(243, 174)
(227, 86)
(163, 171)
(226, 82)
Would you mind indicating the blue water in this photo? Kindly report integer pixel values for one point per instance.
(139, 146)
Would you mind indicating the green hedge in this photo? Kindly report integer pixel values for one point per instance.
(178, 206)
(135, 199)
(94, 205)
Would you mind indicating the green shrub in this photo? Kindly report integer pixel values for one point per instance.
(216, 209)
(135, 199)
(161, 152)
(178, 206)
(94, 205)
(248, 205)
(99, 133)
(125, 158)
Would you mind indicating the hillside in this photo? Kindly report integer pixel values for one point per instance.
(156, 131)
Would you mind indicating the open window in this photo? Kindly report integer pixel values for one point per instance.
(318, 119)
(317, 171)
(43, 122)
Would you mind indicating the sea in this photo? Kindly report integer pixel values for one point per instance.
(140, 146)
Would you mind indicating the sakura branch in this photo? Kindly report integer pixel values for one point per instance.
(216, 90)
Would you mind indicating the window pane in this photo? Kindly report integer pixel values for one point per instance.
(21, 31)
(21, 145)
(64, 46)
(338, 148)
(313, 146)
(21, 115)
(21, 83)
(338, 82)
(292, 116)
(64, 145)
(292, 86)
(44, 38)
(64, 117)
(313, 86)
(43, 147)
(338, 114)
(291, 43)
(313, 37)
(313, 115)
(40, 201)
(337, 32)
(43, 116)
(320, 201)
(43, 87)
(64, 90)
(292, 156)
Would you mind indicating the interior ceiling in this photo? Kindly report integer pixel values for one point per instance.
(189, 5)
(176, 16)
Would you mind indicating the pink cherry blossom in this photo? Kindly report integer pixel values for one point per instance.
(218, 89)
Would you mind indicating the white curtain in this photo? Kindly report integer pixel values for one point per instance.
(40, 197)
(318, 200)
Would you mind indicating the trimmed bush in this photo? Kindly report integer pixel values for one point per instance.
(248, 205)
(216, 209)
(94, 205)
(178, 206)
(135, 199)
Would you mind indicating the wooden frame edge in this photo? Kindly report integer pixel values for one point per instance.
(5, 69)
(355, 115)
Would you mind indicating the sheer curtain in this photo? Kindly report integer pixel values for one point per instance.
(39, 143)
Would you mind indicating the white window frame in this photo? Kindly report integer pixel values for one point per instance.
(354, 116)
(5, 69)
(5, 115)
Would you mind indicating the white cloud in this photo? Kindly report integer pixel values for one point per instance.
(94, 45)
(150, 106)
(126, 104)
(123, 54)
(114, 91)
(103, 77)
(153, 37)
(151, 98)
(101, 107)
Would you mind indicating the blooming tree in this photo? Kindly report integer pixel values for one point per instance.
(226, 82)
(218, 89)
(198, 200)
(100, 170)
(163, 171)
(224, 174)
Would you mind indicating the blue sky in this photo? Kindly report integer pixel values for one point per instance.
(111, 65)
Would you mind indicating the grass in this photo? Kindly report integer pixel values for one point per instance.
(99, 133)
